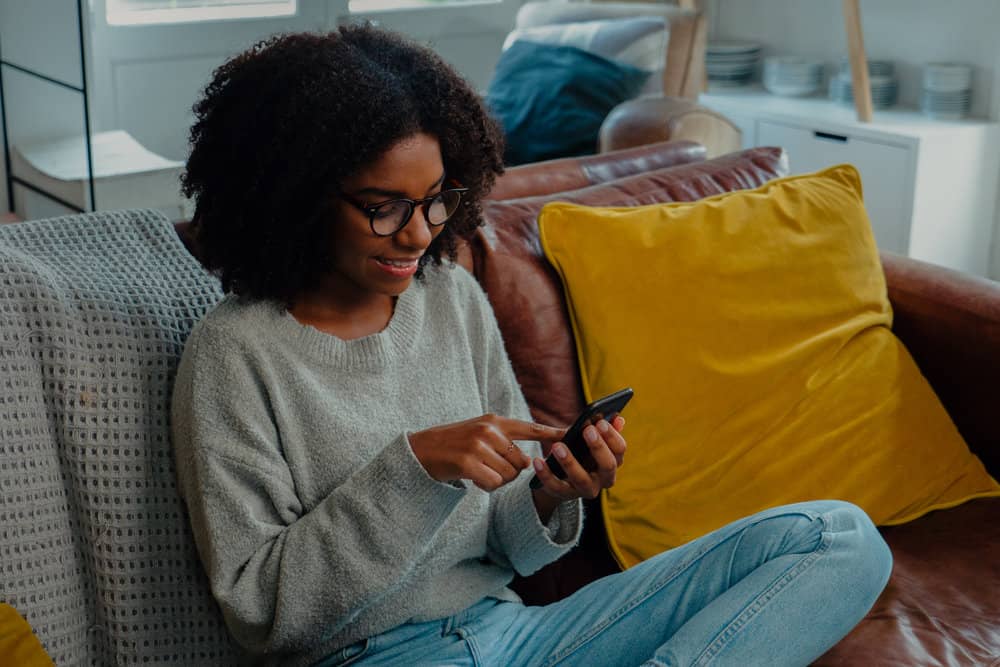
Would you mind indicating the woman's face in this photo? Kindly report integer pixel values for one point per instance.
(367, 264)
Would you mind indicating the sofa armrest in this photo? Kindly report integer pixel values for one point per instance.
(950, 323)
(645, 120)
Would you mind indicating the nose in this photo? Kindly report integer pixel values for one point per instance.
(417, 233)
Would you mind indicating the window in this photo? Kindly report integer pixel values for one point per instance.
(146, 12)
(362, 6)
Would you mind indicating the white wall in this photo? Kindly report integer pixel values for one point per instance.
(908, 32)
(148, 77)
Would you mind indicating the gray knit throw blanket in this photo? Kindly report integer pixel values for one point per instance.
(95, 549)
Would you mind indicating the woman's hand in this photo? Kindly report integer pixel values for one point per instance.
(607, 447)
(481, 450)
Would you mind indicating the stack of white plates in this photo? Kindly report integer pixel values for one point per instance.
(947, 90)
(875, 68)
(792, 76)
(730, 63)
(884, 88)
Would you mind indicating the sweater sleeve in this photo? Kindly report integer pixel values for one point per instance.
(279, 572)
(517, 536)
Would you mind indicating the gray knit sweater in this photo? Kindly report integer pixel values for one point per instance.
(316, 524)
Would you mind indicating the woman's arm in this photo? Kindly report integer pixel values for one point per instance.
(280, 572)
(526, 531)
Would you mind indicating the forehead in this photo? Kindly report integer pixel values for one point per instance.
(413, 164)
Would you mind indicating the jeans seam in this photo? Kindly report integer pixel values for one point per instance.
(365, 650)
(762, 600)
(732, 559)
(638, 600)
(470, 641)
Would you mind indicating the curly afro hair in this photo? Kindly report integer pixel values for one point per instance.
(282, 125)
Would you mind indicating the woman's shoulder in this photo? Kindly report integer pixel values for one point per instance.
(234, 321)
(451, 288)
(453, 281)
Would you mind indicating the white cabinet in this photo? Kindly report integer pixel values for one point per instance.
(883, 168)
(930, 187)
(748, 128)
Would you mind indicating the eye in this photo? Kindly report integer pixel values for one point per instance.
(389, 209)
(443, 206)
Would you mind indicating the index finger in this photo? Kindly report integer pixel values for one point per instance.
(516, 429)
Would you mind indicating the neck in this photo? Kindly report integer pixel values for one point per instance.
(346, 316)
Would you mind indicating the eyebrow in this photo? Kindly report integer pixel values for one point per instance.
(394, 194)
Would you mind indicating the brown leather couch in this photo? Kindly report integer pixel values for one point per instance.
(942, 604)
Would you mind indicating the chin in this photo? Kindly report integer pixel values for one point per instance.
(396, 290)
(391, 287)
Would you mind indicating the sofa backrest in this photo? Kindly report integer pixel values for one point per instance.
(571, 173)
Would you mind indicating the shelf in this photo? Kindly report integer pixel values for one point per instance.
(900, 121)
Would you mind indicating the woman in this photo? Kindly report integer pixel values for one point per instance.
(352, 444)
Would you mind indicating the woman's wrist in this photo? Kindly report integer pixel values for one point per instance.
(545, 504)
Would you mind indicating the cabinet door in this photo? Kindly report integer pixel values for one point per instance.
(886, 173)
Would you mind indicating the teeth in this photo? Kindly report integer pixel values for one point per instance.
(392, 262)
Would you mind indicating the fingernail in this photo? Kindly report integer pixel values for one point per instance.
(560, 451)
(602, 426)
(590, 434)
(539, 466)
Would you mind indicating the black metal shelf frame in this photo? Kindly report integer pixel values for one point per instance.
(82, 90)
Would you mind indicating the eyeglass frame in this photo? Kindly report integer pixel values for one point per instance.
(424, 203)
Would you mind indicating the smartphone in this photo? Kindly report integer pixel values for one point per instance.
(603, 408)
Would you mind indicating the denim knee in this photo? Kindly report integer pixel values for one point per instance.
(864, 555)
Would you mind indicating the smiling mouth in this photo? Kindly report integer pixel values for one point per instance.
(398, 263)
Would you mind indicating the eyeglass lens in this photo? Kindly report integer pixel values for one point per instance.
(390, 217)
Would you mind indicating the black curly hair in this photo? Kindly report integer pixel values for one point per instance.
(282, 125)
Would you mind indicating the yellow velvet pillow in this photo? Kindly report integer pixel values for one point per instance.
(754, 327)
(18, 644)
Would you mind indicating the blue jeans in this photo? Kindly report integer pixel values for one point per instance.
(776, 588)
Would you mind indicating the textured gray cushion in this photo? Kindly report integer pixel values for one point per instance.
(95, 549)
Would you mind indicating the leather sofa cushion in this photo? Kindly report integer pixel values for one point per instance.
(942, 604)
(526, 293)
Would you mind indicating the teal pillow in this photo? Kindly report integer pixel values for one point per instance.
(551, 100)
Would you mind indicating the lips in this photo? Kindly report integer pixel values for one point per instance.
(398, 267)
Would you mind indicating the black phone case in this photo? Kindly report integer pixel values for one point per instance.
(607, 408)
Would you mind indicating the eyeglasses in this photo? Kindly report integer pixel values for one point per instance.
(388, 217)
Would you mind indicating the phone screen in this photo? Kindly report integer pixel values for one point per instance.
(606, 408)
